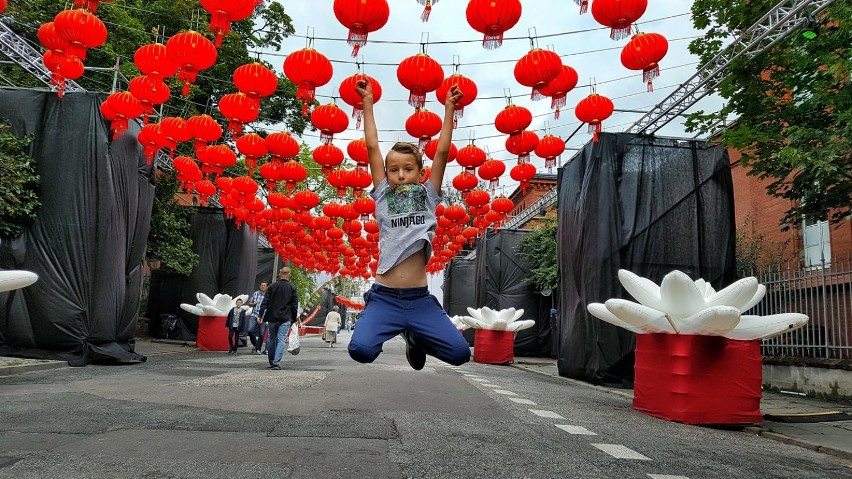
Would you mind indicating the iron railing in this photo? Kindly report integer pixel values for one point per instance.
(824, 293)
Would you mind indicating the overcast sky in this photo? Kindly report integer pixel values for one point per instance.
(558, 25)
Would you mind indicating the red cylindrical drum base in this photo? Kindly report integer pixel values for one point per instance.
(212, 334)
(493, 347)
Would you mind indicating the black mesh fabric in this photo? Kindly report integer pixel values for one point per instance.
(646, 204)
(88, 241)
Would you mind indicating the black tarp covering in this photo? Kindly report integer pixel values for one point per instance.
(648, 205)
(500, 274)
(228, 264)
(88, 241)
(459, 286)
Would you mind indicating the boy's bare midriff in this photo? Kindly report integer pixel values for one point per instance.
(411, 273)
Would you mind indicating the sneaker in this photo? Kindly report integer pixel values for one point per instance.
(275, 368)
(415, 355)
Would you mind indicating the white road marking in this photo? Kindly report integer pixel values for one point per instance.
(503, 391)
(664, 476)
(479, 380)
(621, 452)
(522, 401)
(470, 375)
(543, 413)
(576, 430)
(489, 385)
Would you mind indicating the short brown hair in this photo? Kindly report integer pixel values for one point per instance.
(407, 148)
(284, 271)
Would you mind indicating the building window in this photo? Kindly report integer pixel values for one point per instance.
(817, 243)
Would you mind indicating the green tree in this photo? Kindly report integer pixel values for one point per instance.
(539, 249)
(793, 106)
(169, 240)
(19, 183)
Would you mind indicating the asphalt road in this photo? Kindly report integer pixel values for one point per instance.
(192, 414)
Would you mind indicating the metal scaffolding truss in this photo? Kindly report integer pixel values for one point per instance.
(521, 218)
(21, 52)
(771, 28)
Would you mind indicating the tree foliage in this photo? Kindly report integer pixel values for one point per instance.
(19, 183)
(539, 249)
(793, 106)
(169, 240)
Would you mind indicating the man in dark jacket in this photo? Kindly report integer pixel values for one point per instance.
(278, 310)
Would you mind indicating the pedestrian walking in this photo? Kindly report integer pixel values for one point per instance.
(235, 322)
(278, 310)
(332, 326)
(256, 329)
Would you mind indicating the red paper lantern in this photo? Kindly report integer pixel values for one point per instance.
(423, 125)
(151, 138)
(149, 91)
(204, 129)
(491, 171)
(252, 146)
(175, 131)
(328, 156)
(282, 146)
(465, 181)
(120, 107)
(549, 147)
(90, 5)
(192, 52)
(361, 17)
(217, 158)
(357, 150)
(353, 99)
(619, 15)
(502, 205)
(359, 180)
(512, 119)
(468, 89)
(593, 110)
(292, 173)
(536, 68)
(272, 173)
(239, 109)
(306, 199)
(223, 12)
(492, 18)
(309, 70)
(477, 198)
(329, 119)
(470, 157)
(62, 67)
(432, 148)
(644, 52)
(81, 30)
(205, 189)
(153, 60)
(455, 213)
(255, 80)
(365, 206)
(558, 88)
(340, 180)
(523, 173)
(522, 145)
(419, 74)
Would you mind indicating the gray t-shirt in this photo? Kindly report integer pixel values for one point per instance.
(406, 217)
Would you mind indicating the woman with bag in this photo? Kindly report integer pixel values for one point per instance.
(332, 324)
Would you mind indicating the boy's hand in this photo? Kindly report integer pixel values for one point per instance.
(364, 89)
(454, 95)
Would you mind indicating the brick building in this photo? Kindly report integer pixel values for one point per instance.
(540, 184)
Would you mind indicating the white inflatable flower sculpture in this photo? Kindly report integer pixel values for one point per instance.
(503, 320)
(459, 323)
(14, 279)
(682, 306)
(218, 306)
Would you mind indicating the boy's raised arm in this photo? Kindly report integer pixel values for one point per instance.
(371, 133)
(439, 163)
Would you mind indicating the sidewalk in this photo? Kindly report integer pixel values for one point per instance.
(798, 420)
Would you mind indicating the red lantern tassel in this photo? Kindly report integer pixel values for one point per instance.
(492, 41)
(416, 99)
(594, 129)
(423, 142)
(426, 11)
(494, 184)
(584, 5)
(357, 37)
(525, 158)
(356, 113)
(649, 74)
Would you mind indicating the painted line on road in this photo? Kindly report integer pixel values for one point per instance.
(480, 380)
(664, 476)
(489, 385)
(548, 414)
(576, 430)
(503, 391)
(523, 401)
(470, 375)
(621, 452)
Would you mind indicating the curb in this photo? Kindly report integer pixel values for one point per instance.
(29, 366)
(756, 430)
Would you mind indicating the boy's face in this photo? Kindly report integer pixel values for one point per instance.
(402, 169)
(239, 303)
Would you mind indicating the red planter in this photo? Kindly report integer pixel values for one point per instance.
(698, 379)
(212, 334)
(493, 347)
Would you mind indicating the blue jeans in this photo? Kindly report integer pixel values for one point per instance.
(277, 342)
(261, 332)
(390, 311)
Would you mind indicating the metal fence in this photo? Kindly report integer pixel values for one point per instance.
(824, 293)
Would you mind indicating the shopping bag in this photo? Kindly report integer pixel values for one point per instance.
(293, 340)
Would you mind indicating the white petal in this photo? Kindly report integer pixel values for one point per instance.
(204, 299)
(738, 294)
(680, 295)
(647, 319)
(488, 315)
(192, 309)
(472, 322)
(715, 321)
(498, 325)
(763, 327)
(476, 313)
(643, 290)
(15, 279)
(520, 325)
(212, 311)
(223, 302)
(516, 315)
(599, 311)
(758, 297)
